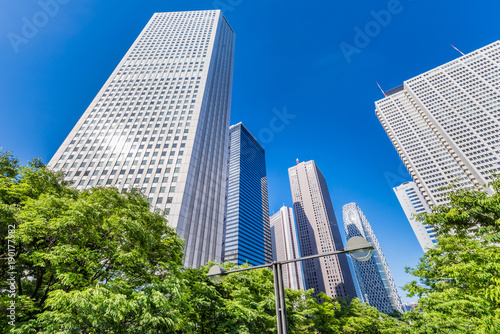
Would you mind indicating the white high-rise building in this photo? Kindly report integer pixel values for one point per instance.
(445, 123)
(160, 123)
(412, 201)
(373, 276)
(285, 247)
(318, 232)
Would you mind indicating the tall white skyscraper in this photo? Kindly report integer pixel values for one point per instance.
(286, 247)
(318, 232)
(160, 123)
(374, 277)
(412, 201)
(445, 123)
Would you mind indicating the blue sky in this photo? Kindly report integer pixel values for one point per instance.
(288, 61)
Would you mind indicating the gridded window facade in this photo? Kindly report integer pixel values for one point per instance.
(318, 232)
(160, 124)
(247, 235)
(445, 123)
(286, 247)
(412, 201)
(374, 277)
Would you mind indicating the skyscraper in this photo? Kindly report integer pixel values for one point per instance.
(160, 123)
(445, 123)
(286, 247)
(247, 235)
(318, 232)
(374, 277)
(412, 201)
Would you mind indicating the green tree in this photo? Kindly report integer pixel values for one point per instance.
(300, 306)
(250, 302)
(206, 313)
(333, 315)
(459, 280)
(243, 302)
(99, 261)
(86, 261)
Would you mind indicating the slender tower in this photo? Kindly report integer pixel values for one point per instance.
(374, 277)
(160, 123)
(247, 235)
(286, 247)
(318, 232)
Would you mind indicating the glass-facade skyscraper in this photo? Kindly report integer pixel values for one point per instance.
(318, 232)
(412, 201)
(374, 277)
(160, 123)
(445, 123)
(247, 235)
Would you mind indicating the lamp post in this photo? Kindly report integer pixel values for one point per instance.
(357, 247)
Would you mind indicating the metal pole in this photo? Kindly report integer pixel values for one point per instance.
(279, 291)
(284, 322)
(347, 250)
(277, 297)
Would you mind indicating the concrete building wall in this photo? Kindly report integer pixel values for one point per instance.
(160, 123)
(412, 201)
(318, 232)
(286, 247)
(445, 123)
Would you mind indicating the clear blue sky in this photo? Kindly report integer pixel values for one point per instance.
(288, 56)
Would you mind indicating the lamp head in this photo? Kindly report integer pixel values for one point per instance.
(215, 273)
(359, 248)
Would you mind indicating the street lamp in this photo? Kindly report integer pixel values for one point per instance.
(357, 247)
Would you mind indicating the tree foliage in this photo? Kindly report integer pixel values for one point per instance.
(336, 316)
(459, 280)
(244, 302)
(99, 261)
(97, 251)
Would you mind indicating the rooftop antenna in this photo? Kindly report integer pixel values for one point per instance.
(457, 49)
(297, 161)
(381, 89)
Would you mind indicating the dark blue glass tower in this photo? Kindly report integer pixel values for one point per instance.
(247, 235)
